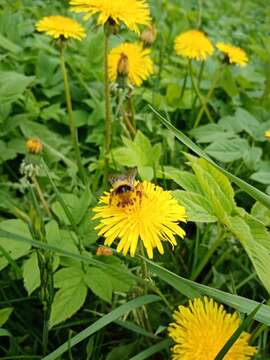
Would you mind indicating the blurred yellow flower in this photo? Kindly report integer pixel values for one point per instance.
(201, 329)
(138, 64)
(148, 214)
(235, 54)
(34, 146)
(132, 13)
(61, 26)
(193, 44)
(267, 134)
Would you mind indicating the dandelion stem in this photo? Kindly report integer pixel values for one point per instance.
(108, 130)
(197, 91)
(72, 125)
(216, 78)
(41, 196)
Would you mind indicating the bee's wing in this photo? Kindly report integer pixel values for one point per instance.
(132, 173)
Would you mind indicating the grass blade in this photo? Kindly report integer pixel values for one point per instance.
(249, 189)
(164, 344)
(101, 323)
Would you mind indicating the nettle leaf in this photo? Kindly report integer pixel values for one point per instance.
(228, 150)
(15, 249)
(5, 314)
(261, 213)
(66, 277)
(185, 179)
(99, 282)
(12, 85)
(198, 207)
(248, 122)
(31, 273)
(258, 253)
(67, 301)
(210, 133)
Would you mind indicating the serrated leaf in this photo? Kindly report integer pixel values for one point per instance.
(67, 301)
(227, 150)
(99, 282)
(210, 133)
(31, 273)
(262, 177)
(12, 85)
(5, 314)
(261, 212)
(66, 277)
(198, 207)
(185, 179)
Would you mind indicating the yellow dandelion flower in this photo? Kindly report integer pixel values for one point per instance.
(235, 54)
(267, 134)
(140, 66)
(131, 13)
(202, 329)
(193, 44)
(147, 213)
(34, 146)
(61, 26)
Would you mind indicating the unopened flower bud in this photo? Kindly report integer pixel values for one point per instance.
(149, 35)
(104, 251)
(34, 146)
(123, 65)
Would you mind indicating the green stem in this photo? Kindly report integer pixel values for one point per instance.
(199, 84)
(108, 130)
(200, 6)
(72, 126)
(41, 196)
(197, 91)
(209, 94)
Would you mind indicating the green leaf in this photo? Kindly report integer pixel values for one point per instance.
(4, 332)
(15, 249)
(211, 133)
(101, 323)
(249, 189)
(4, 315)
(239, 303)
(262, 177)
(252, 158)
(8, 45)
(228, 150)
(185, 179)
(12, 85)
(122, 352)
(68, 277)
(31, 273)
(261, 213)
(67, 301)
(164, 344)
(99, 282)
(198, 207)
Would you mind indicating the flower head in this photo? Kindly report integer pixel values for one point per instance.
(149, 35)
(267, 134)
(61, 26)
(34, 146)
(138, 62)
(147, 213)
(132, 13)
(193, 44)
(202, 329)
(234, 54)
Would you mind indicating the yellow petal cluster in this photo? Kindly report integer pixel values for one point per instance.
(267, 134)
(201, 329)
(34, 146)
(132, 12)
(151, 216)
(61, 26)
(194, 45)
(140, 65)
(235, 54)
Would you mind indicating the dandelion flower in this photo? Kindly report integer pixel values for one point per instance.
(147, 213)
(235, 54)
(34, 146)
(267, 134)
(132, 13)
(193, 44)
(140, 66)
(202, 329)
(61, 26)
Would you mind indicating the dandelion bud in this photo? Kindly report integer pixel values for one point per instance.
(123, 65)
(149, 35)
(267, 134)
(104, 251)
(111, 27)
(34, 146)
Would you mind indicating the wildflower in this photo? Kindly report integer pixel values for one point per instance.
(267, 134)
(148, 36)
(140, 66)
(34, 146)
(103, 251)
(61, 26)
(202, 328)
(234, 55)
(193, 44)
(147, 213)
(131, 13)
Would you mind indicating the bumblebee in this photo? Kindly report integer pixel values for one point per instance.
(124, 189)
